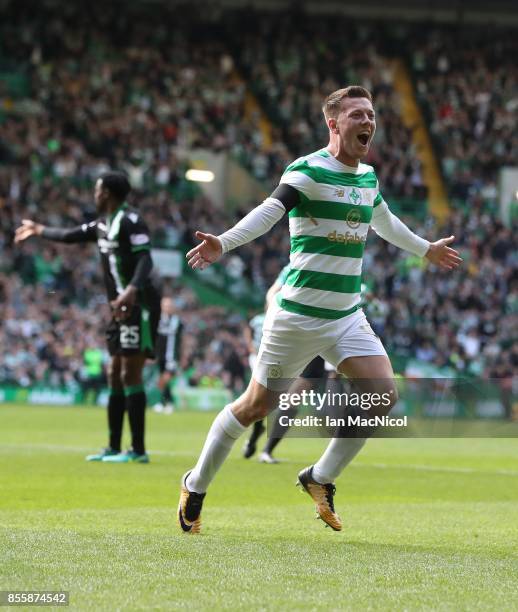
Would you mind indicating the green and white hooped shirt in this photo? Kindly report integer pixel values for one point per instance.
(328, 230)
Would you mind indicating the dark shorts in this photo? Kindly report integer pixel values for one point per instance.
(314, 369)
(161, 349)
(136, 334)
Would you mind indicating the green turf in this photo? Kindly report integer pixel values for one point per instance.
(429, 524)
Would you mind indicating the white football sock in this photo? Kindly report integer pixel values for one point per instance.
(225, 430)
(339, 453)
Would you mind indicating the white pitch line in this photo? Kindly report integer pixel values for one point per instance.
(431, 468)
(77, 449)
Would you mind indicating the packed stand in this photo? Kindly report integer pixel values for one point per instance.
(46, 337)
(467, 80)
(123, 88)
(177, 87)
(466, 325)
(465, 322)
(303, 64)
(56, 142)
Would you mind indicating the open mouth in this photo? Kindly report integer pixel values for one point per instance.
(364, 138)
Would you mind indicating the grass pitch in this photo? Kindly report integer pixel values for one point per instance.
(428, 524)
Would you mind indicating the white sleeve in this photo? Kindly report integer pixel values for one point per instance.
(256, 223)
(393, 230)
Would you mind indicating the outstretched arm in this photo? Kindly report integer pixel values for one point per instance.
(393, 230)
(81, 233)
(256, 223)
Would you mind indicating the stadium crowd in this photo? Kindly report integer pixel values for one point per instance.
(303, 64)
(175, 88)
(467, 323)
(467, 82)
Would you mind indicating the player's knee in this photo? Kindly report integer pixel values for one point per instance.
(250, 408)
(390, 396)
(386, 394)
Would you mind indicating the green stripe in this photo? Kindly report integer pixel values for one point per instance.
(136, 249)
(340, 211)
(123, 206)
(114, 222)
(323, 153)
(377, 200)
(314, 311)
(283, 274)
(325, 281)
(146, 341)
(132, 389)
(297, 166)
(122, 278)
(116, 391)
(324, 246)
(330, 177)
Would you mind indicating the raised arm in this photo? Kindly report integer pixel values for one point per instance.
(256, 223)
(81, 233)
(393, 230)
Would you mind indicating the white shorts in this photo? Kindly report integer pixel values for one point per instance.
(290, 341)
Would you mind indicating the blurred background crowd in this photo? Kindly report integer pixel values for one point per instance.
(135, 91)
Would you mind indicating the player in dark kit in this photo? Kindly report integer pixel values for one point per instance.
(168, 344)
(123, 240)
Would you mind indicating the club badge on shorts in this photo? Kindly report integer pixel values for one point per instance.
(274, 371)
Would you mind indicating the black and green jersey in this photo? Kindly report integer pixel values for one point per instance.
(122, 238)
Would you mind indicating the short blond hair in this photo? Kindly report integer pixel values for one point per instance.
(332, 103)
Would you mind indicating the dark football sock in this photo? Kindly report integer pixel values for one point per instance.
(167, 398)
(257, 430)
(278, 430)
(116, 407)
(136, 407)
